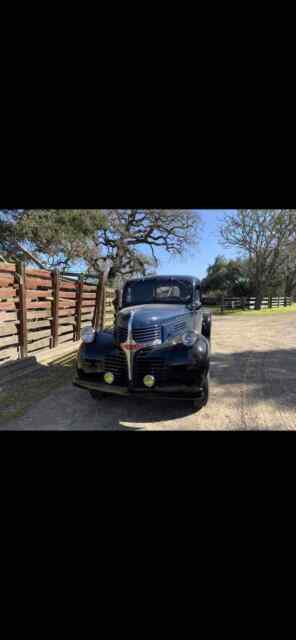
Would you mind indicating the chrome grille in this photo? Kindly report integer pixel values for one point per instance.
(179, 327)
(116, 363)
(152, 365)
(121, 334)
(143, 335)
(147, 334)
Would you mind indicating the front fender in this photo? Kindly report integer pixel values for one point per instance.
(202, 358)
(102, 344)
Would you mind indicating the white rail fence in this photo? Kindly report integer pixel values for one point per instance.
(271, 303)
(227, 303)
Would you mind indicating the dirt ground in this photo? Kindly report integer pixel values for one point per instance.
(253, 387)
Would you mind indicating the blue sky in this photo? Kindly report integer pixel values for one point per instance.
(198, 260)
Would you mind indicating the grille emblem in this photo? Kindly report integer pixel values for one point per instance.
(131, 346)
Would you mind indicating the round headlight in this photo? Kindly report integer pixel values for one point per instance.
(88, 334)
(189, 338)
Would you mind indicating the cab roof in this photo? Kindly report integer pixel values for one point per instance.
(192, 279)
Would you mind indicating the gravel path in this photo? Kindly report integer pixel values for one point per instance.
(253, 386)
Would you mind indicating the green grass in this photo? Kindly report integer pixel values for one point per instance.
(263, 312)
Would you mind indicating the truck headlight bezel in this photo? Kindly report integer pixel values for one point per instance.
(88, 334)
(189, 338)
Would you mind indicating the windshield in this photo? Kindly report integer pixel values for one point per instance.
(168, 291)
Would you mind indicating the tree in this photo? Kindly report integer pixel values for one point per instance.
(129, 238)
(61, 236)
(264, 236)
(8, 243)
(289, 271)
(228, 277)
(131, 230)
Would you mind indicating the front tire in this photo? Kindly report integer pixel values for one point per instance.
(207, 326)
(199, 403)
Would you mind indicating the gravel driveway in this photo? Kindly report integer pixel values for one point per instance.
(253, 386)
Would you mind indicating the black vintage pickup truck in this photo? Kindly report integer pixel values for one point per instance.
(160, 345)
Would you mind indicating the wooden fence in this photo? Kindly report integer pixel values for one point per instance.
(227, 303)
(41, 310)
(109, 308)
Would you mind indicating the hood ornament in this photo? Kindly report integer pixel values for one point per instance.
(130, 347)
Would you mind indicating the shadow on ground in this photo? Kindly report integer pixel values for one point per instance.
(143, 410)
(44, 398)
(35, 396)
(25, 382)
(266, 374)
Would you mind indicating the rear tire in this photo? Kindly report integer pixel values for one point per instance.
(199, 403)
(98, 395)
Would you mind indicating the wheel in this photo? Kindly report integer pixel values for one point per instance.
(199, 403)
(207, 327)
(98, 395)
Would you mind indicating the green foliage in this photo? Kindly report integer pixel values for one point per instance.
(94, 236)
(265, 237)
(228, 277)
(63, 235)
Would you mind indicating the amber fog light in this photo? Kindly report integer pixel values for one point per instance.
(149, 381)
(109, 378)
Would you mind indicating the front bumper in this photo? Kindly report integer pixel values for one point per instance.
(176, 391)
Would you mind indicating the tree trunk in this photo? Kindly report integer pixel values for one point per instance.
(258, 285)
(258, 295)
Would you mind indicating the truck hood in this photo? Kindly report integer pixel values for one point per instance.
(151, 314)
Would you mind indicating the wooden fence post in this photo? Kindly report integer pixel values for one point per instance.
(79, 307)
(55, 308)
(23, 329)
(100, 301)
(116, 301)
(96, 318)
